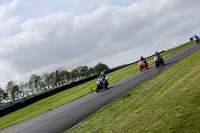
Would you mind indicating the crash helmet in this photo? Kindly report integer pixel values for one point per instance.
(102, 73)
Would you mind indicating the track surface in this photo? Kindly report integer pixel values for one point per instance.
(70, 114)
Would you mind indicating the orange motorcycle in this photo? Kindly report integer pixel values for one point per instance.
(143, 65)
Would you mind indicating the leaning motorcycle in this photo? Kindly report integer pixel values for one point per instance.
(159, 62)
(142, 65)
(102, 84)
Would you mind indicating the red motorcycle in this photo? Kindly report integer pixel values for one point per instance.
(142, 65)
(159, 61)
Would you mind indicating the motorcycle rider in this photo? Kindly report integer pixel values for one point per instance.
(157, 56)
(143, 59)
(102, 76)
(196, 38)
(102, 82)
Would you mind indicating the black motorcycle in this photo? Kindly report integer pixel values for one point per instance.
(159, 62)
(102, 84)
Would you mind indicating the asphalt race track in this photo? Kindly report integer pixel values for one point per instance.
(69, 115)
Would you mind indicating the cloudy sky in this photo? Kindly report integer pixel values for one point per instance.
(38, 36)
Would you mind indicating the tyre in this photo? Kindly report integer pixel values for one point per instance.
(156, 64)
(141, 68)
(97, 89)
(106, 85)
(163, 63)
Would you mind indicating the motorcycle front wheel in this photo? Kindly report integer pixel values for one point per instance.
(156, 64)
(97, 89)
(106, 85)
(141, 68)
(163, 63)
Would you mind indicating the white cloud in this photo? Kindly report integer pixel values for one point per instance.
(7, 21)
(113, 34)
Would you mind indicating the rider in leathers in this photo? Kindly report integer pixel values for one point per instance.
(102, 76)
(157, 56)
(143, 59)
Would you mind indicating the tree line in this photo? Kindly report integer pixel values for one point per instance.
(46, 81)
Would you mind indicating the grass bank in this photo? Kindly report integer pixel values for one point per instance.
(73, 93)
(169, 102)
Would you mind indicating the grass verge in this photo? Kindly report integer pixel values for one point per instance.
(73, 93)
(169, 102)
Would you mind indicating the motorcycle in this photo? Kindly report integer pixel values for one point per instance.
(102, 84)
(159, 62)
(142, 65)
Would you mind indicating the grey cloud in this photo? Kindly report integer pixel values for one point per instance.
(62, 37)
(8, 22)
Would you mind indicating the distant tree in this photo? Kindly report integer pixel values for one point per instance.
(35, 82)
(27, 89)
(5, 96)
(91, 71)
(52, 80)
(84, 72)
(66, 76)
(100, 67)
(46, 80)
(22, 89)
(1, 94)
(16, 92)
(13, 90)
(42, 85)
(57, 78)
(60, 76)
(74, 74)
(31, 87)
(79, 75)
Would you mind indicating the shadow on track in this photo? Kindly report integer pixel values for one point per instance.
(109, 87)
(174, 62)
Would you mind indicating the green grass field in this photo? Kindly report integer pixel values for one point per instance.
(73, 93)
(169, 102)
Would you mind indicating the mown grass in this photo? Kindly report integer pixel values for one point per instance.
(169, 102)
(71, 94)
